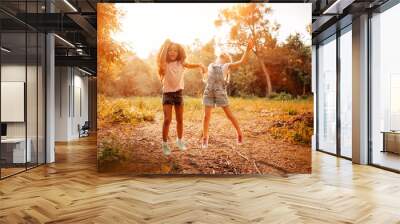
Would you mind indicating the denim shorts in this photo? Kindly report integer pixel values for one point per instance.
(215, 98)
(173, 98)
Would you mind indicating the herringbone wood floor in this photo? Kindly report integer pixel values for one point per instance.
(71, 191)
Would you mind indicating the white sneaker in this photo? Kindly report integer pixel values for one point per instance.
(204, 144)
(239, 140)
(181, 144)
(166, 149)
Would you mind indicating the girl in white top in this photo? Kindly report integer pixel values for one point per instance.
(171, 65)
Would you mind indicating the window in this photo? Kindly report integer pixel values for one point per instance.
(385, 89)
(23, 89)
(327, 95)
(346, 92)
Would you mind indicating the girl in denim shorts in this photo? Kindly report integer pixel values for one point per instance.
(215, 94)
(171, 65)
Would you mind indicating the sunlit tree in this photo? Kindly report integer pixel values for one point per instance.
(109, 52)
(249, 21)
(299, 59)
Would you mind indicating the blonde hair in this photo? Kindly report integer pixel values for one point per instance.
(162, 57)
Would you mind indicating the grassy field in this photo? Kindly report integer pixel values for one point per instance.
(277, 137)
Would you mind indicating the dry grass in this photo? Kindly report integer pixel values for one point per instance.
(289, 121)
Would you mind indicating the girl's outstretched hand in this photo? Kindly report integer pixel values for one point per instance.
(167, 43)
(203, 69)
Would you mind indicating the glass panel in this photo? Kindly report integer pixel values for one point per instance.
(22, 87)
(327, 96)
(385, 84)
(31, 100)
(346, 94)
(31, 86)
(41, 98)
(13, 86)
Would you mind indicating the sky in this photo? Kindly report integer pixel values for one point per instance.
(145, 26)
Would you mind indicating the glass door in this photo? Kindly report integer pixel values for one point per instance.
(346, 92)
(326, 60)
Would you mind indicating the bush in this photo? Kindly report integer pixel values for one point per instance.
(124, 111)
(292, 112)
(281, 96)
(110, 151)
(296, 129)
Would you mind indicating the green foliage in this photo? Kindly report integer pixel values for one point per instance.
(299, 58)
(283, 96)
(302, 133)
(292, 112)
(110, 150)
(245, 81)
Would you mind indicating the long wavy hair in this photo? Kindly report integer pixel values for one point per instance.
(162, 57)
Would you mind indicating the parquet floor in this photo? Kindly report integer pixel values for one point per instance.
(71, 191)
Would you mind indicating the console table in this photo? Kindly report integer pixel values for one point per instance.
(13, 150)
(391, 141)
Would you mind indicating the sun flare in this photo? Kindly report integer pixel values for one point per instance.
(144, 32)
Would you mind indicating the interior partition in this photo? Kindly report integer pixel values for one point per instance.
(22, 88)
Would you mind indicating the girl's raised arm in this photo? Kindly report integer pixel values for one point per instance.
(244, 57)
(162, 57)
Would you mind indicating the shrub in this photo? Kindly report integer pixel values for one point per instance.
(281, 96)
(124, 111)
(110, 151)
(292, 112)
(296, 129)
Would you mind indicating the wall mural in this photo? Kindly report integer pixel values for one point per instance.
(204, 88)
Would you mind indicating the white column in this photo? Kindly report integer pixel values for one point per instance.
(360, 90)
(50, 99)
(50, 92)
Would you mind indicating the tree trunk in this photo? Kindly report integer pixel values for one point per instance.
(268, 90)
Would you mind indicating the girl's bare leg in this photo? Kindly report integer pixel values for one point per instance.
(167, 108)
(235, 123)
(206, 122)
(179, 120)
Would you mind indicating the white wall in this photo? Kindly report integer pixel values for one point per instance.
(33, 127)
(14, 73)
(71, 94)
(17, 73)
(61, 103)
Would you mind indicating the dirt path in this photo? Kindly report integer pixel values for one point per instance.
(260, 153)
